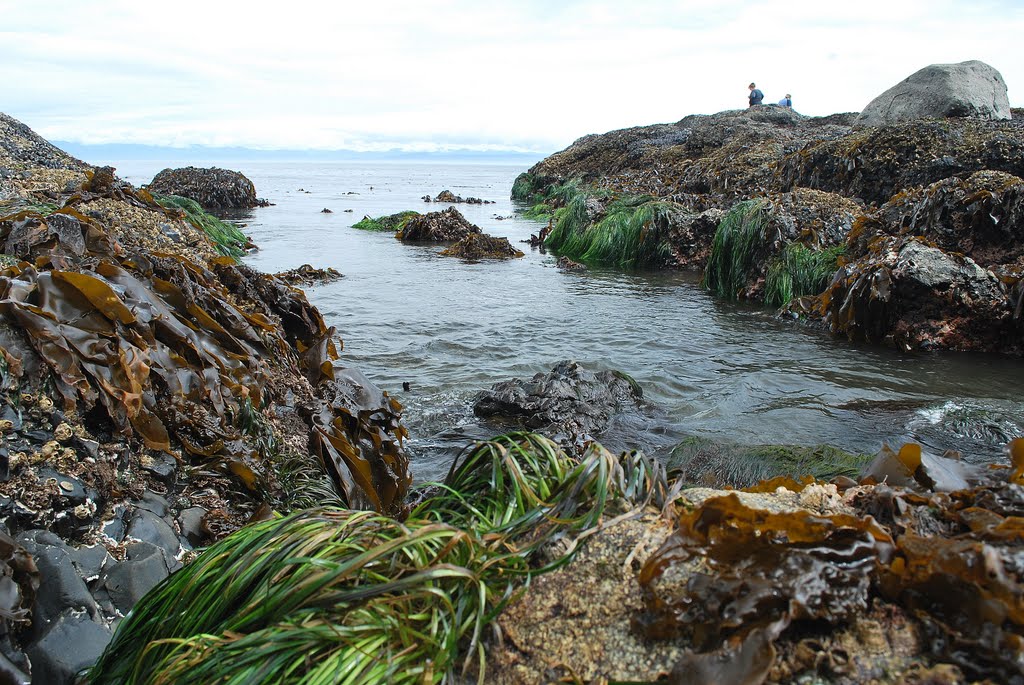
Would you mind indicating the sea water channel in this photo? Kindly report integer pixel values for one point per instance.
(708, 368)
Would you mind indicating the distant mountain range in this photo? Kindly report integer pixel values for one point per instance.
(184, 156)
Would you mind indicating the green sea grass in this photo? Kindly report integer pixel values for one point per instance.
(227, 238)
(391, 222)
(739, 234)
(626, 236)
(799, 271)
(326, 596)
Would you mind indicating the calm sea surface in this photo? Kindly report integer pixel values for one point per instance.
(709, 368)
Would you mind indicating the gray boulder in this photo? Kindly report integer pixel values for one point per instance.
(967, 89)
(569, 400)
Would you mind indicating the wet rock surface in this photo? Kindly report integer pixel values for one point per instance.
(309, 275)
(567, 401)
(212, 188)
(449, 196)
(789, 582)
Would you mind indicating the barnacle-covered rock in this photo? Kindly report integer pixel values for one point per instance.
(212, 188)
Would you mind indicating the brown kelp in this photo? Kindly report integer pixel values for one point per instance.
(174, 351)
(339, 596)
(733, 578)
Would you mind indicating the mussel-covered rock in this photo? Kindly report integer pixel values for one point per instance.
(212, 188)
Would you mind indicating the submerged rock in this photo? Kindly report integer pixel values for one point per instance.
(967, 89)
(212, 188)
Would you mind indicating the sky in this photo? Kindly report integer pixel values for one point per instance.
(486, 75)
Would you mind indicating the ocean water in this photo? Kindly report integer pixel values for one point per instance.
(450, 329)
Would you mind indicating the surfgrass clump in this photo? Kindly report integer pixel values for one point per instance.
(539, 212)
(739, 235)
(524, 189)
(391, 222)
(628, 235)
(798, 271)
(330, 595)
(227, 239)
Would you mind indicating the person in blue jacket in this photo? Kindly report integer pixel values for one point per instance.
(756, 96)
(787, 101)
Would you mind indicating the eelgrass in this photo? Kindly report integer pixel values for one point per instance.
(227, 238)
(627, 236)
(539, 212)
(739, 234)
(328, 596)
(524, 491)
(799, 271)
(320, 596)
(391, 222)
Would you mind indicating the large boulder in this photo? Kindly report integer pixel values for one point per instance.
(967, 89)
(212, 188)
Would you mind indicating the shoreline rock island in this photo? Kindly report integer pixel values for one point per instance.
(195, 489)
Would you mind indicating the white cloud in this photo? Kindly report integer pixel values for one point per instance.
(529, 74)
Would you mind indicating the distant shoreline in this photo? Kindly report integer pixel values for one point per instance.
(197, 154)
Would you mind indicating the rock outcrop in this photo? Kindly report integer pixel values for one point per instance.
(449, 196)
(968, 89)
(823, 189)
(436, 227)
(213, 188)
(154, 396)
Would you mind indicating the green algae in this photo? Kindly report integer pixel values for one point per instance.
(227, 239)
(390, 223)
(799, 271)
(739, 235)
(705, 462)
(631, 233)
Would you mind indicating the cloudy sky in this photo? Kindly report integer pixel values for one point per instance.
(527, 75)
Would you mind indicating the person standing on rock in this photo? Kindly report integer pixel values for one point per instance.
(787, 101)
(756, 96)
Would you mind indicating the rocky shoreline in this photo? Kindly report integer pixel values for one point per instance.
(193, 488)
(905, 233)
